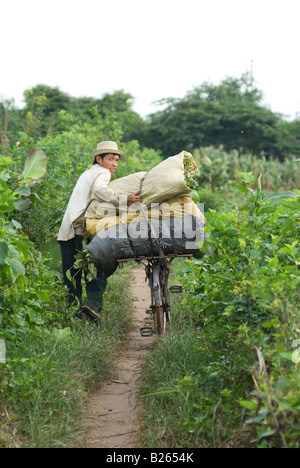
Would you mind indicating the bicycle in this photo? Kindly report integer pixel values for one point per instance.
(157, 273)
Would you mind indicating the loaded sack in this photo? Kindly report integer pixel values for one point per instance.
(167, 221)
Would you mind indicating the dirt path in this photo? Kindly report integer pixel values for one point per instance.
(112, 414)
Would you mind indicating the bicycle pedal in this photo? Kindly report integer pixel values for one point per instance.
(146, 331)
(176, 288)
(149, 312)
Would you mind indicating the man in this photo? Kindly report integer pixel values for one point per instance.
(91, 185)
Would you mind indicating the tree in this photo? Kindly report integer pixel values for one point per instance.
(44, 103)
(120, 103)
(228, 114)
(56, 99)
(184, 124)
(11, 122)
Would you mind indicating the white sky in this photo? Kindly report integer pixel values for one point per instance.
(151, 49)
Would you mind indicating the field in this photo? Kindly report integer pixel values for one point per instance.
(227, 372)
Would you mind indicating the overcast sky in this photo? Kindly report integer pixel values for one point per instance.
(151, 49)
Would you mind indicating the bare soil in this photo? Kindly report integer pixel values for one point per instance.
(112, 414)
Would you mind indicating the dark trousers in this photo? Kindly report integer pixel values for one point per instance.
(94, 289)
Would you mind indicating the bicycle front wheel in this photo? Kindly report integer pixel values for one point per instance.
(158, 312)
(160, 319)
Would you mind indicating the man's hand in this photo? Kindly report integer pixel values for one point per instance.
(134, 198)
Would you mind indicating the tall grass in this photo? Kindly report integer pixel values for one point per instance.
(52, 374)
(185, 380)
(219, 168)
(202, 385)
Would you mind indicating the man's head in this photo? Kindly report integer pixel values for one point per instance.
(108, 155)
(108, 147)
(110, 161)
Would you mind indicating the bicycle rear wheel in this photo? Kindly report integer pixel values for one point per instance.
(159, 314)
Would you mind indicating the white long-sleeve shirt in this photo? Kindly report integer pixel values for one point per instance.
(91, 185)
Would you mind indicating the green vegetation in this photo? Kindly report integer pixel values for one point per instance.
(231, 114)
(52, 360)
(241, 307)
(51, 370)
(227, 373)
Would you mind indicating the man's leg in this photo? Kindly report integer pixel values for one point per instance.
(68, 251)
(95, 290)
(94, 301)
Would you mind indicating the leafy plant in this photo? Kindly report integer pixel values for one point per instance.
(35, 167)
(84, 261)
(244, 296)
(34, 170)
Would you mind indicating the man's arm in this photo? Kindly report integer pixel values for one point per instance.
(103, 193)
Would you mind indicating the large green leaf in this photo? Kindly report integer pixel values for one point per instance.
(10, 256)
(16, 268)
(247, 178)
(3, 251)
(35, 166)
(23, 205)
(282, 196)
(24, 190)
